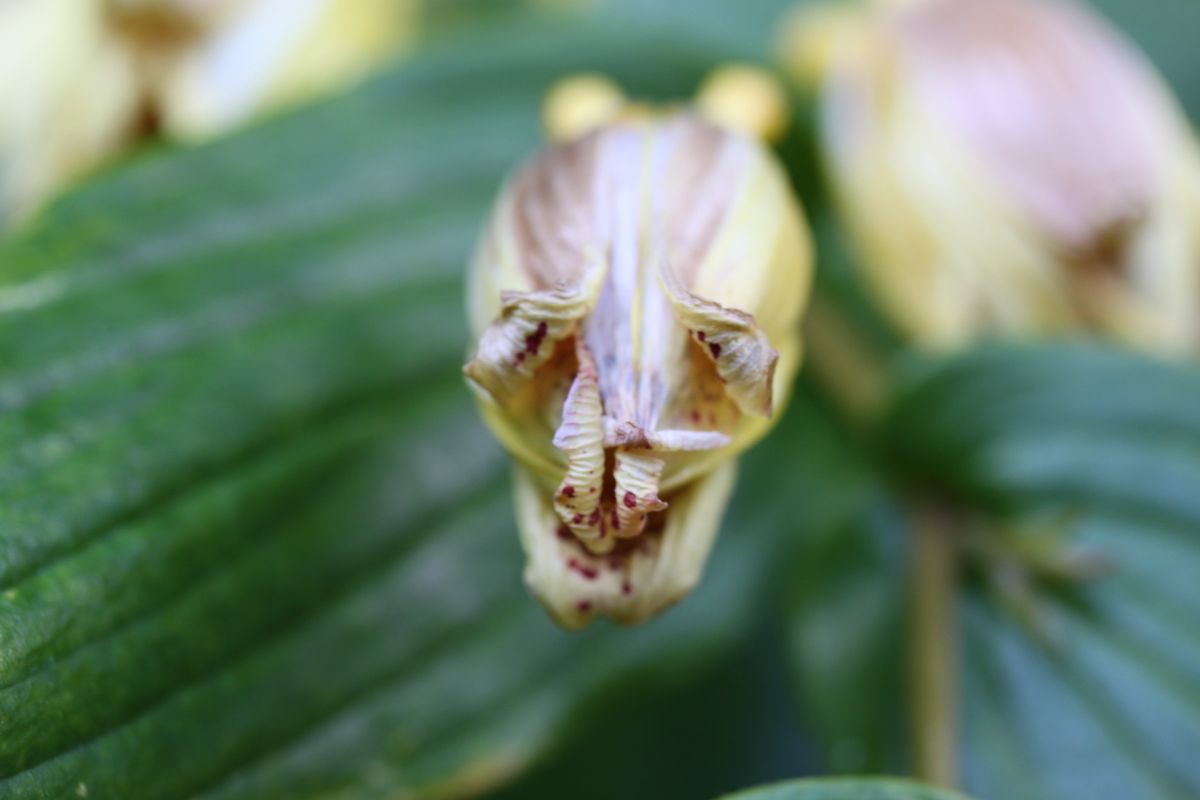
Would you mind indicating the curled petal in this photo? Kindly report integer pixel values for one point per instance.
(524, 336)
(664, 441)
(581, 438)
(741, 352)
(636, 475)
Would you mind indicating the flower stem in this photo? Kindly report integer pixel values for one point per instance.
(846, 367)
(934, 647)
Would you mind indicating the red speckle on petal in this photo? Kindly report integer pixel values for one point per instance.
(584, 606)
(615, 520)
(587, 572)
(700, 335)
(533, 341)
(594, 517)
(630, 500)
(578, 518)
(563, 532)
(626, 588)
(568, 491)
(715, 349)
(695, 416)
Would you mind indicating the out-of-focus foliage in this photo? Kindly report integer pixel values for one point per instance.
(1080, 659)
(1073, 472)
(845, 789)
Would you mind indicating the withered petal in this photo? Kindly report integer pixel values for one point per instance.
(657, 570)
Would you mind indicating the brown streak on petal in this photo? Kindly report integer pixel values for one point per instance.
(553, 213)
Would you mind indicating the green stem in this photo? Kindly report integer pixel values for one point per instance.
(934, 647)
(844, 364)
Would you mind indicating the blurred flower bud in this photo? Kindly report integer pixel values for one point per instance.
(68, 97)
(747, 99)
(1007, 166)
(82, 79)
(265, 54)
(636, 295)
(578, 105)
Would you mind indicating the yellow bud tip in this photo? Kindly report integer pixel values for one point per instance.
(747, 99)
(579, 104)
(813, 39)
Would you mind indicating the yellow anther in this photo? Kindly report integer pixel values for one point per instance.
(579, 104)
(747, 99)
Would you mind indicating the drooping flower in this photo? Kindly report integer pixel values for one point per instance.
(637, 295)
(1008, 166)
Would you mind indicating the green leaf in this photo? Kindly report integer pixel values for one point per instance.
(844, 621)
(252, 540)
(1076, 682)
(845, 789)
(1069, 474)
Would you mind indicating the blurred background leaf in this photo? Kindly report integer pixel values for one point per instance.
(1080, 658)
(845, 789)
(1071, 471)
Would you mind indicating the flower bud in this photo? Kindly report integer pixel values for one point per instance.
(267, 54)
(745, 98)
(636, 295)
(69, 94)
(83, 79)
(1008, 166)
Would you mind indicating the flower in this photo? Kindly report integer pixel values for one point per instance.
(84, 79)
(1007, 166)
(69, 97)
(262, 55)
(637, 295)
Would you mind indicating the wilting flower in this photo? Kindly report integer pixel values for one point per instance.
(637, 295)
(1008, 166)
(80, 80)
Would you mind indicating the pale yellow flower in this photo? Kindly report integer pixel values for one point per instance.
(636, 295)
(68, 97)
(267, 54)
(80, 80)
(1007, 166)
